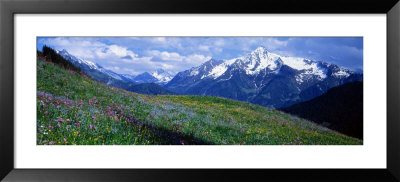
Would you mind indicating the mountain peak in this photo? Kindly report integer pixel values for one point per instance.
(260, 49)
(64, 51)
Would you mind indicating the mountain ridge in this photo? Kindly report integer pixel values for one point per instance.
(257, 76)
(159, 76)
(106, 76)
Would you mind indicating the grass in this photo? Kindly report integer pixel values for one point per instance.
(73, 109)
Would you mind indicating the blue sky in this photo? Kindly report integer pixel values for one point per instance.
(134, 55)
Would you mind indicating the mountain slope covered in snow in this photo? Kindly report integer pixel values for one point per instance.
(111, 78)
(264, 78)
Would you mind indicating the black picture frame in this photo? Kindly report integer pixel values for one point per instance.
(9, 8)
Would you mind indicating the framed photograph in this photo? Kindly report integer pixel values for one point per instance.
(202, 90)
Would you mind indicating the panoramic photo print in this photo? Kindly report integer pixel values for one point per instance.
(199, 91)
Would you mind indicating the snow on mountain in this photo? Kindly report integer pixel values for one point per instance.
(159, 76)
(129, 76)
(194, 72)
(261, 59)
(76, 60)
(112, 74)
(86, 64)
(163, 76)
(217, 71)
(262, 77)
(341, 73)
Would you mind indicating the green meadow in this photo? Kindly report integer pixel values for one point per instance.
(74, 109)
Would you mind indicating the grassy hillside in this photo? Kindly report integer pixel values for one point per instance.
(150, 89)
(341, 109)
(75, 109)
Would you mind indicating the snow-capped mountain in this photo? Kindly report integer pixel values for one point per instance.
(129, 76)
(145, 77)
(160, 77)
(163, 76)
(87, 65)
(263, 78)
(109, 77)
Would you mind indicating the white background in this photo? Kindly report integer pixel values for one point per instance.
(370, 155)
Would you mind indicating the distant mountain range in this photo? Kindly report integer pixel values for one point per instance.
(159, 76)
(260, 77)
(341, 109)
(139, 83)
(263, 78)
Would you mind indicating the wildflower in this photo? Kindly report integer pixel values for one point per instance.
(58, 106)
(102, 143)
(65, 140)
(45, 112)
(60, 120)
(67, 120)
(123, 134)
(51, 127)
(58, 125)
(91, 126)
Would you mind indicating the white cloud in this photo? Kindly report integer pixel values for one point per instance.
(159, 40)
(173, 61)
(170, 53)
(219, 42)
(204, 48)
(165, 56)
(113, 68)
(167, 42)
(121, 51)
(196, 59)
(218, 50)
(274, 43)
